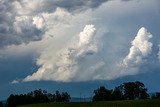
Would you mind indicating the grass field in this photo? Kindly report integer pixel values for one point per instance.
(138, 103)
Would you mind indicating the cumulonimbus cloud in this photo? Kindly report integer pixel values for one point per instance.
(41, 27)
(67, 64)
(68, 67)
(70, 63)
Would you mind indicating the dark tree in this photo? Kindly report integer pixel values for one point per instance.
(102, 94)
(117, 93)
(129, 90)
(58, 97)
(11, 101)
(51, 97)
(144, 94)
(65, 97)
(126, 91)
(1, 104)
(40, 96)
(135, 90)
(37, 96)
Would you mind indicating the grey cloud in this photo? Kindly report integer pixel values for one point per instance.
(126, 0)
(67, 64)
(8, 23)
(73, 5)
(23, 30)
(104, 63)
(39, 6)
(11, 9)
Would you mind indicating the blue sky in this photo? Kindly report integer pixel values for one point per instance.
(76, 46)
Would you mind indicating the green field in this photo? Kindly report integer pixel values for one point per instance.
(138, 103)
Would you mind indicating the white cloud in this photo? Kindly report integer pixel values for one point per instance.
(67, 62)
(39, 22)
(64, 55)
(79, 61)
(86, 36)
(71, 63)
(47, 22)
(141, 48)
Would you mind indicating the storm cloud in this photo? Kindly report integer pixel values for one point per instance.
(67, 64)
(22, 21)
(78, 40)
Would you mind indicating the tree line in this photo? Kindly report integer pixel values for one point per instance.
(37, 96)
(125, 91)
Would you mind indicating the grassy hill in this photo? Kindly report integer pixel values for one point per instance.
(137, 103)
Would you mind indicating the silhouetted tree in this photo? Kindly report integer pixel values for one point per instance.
(128, 90)
(51, 97)
(102, 94)
(37, 96)
(58, 97)
(117, 93)
(135, 90)
(1, 104)
(65, 97)
(40, 96)
(11, 101)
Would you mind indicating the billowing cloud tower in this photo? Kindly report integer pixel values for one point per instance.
(141, 48)
(66, 65)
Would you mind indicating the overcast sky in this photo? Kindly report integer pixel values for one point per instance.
(78, 45)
